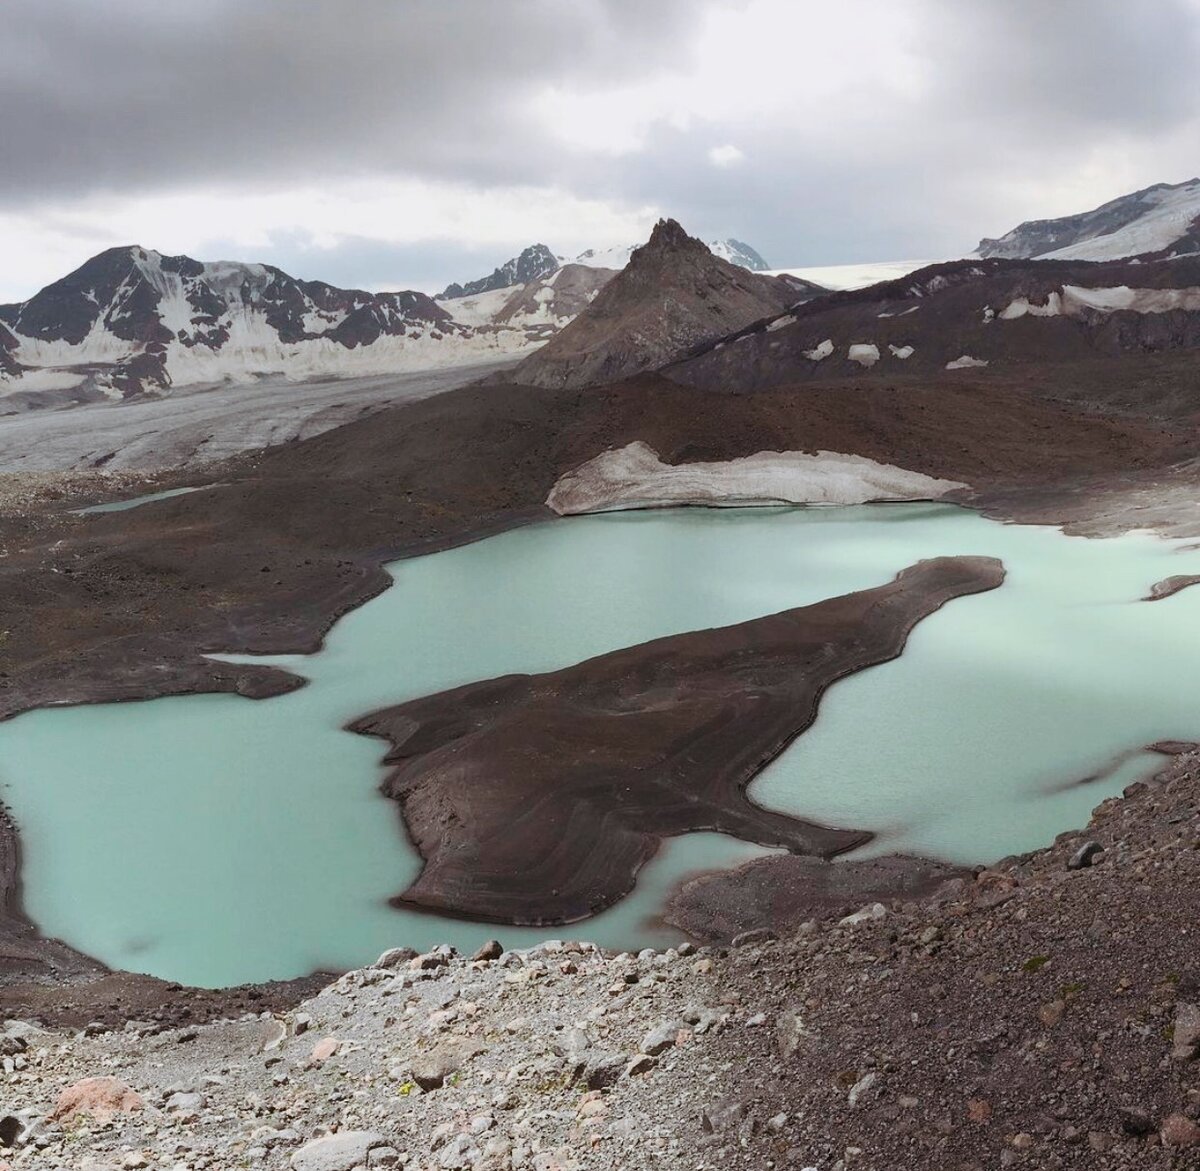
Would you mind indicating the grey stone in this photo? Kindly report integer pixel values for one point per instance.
(431, 1069)
(395, 957)
(1085, 856)
(337, 1152)
(602, 1070)
(869, 914)
(726, 1114)
(660, 1038)
(757, 935)
(864, 1089)
(185, 1101)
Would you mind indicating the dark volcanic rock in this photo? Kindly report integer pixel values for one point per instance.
(536, 799)
(672, 296)
(536, 261)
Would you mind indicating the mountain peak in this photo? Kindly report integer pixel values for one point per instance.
(534, 262)
(673, 295)
(670, 233)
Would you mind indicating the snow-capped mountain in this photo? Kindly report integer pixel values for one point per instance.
(1162, 218)
(536, 261)
(131, 320)
(539, 308)
(731, 250)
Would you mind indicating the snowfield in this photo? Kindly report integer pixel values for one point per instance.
(196, 425)
(1169, 215)
(840, 277)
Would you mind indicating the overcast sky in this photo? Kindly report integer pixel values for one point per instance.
(405, 143)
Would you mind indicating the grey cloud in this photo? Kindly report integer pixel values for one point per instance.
(1019, 89)
(133, 94)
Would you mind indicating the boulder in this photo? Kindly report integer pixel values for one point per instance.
(337, 1152)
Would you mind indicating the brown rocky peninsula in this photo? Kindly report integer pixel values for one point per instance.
(1169, 586)
(536, 799)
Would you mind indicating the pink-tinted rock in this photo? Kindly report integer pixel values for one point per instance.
(324, 1049)
(1179, 1131)
(101, 1097)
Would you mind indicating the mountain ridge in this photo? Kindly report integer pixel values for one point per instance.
(1155, 219)
(131, 320)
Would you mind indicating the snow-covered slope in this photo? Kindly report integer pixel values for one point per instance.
(131, 320)
(1162, 218)
(536, 261)
(731, 250)
(539, 308)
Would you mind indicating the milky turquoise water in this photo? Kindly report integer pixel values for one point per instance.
(214, 839)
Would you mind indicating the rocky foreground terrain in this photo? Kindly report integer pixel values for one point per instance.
(1041, 1013)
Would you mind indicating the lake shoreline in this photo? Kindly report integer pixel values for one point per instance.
(411, 491)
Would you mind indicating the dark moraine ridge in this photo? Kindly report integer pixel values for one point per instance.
(536, 799)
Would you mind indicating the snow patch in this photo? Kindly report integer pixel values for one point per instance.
(780, 322)
(480, 309)
(635, 477)
(965, 363)
(865, 354)
(821, 352)
(902, 351)
(1023, 307)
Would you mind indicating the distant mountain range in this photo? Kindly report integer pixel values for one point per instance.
(1159, 219)
(538, 261)
(132, 321)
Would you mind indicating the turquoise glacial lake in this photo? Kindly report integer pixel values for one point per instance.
(213, 839)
